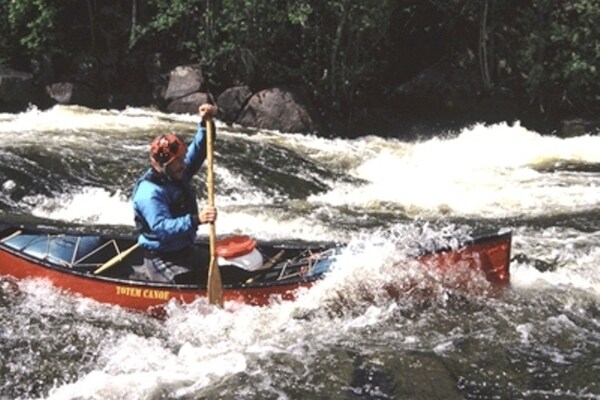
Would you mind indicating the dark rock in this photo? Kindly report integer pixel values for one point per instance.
(579, 127)
(72, 93)
(17, 89)
(232, 101)
(438, 88)
(280, 109)
(184, 80)
(189, 104)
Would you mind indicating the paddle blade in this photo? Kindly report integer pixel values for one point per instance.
(215, 286)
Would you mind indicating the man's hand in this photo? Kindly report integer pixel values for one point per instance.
(207, 110)
(208, 215)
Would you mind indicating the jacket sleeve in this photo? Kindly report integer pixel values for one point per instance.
(196, 153)
(152, 204)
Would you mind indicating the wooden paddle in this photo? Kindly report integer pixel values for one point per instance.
(215, 286)
(116, 259)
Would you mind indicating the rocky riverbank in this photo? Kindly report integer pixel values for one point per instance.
(419, 107)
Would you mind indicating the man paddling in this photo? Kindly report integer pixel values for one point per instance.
(166, 213)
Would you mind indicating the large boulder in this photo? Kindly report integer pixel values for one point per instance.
(17, 90)
(184, 80)
(189, 104)
(72, 93)
(282, 109)
(232, 101)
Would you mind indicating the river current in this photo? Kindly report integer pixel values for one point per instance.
(540, 339)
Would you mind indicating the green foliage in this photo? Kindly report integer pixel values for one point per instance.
(560, 53)
(343, 52)
(33, 22)
(6, 47)
(298, 13)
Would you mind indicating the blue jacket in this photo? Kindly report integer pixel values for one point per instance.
(166, 213)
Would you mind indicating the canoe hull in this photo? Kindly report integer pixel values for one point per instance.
(489, 255)
(135, 295)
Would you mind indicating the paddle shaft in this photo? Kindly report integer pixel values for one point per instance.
(215, 286)
(116, 259)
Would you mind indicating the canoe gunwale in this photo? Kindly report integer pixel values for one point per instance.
(87, 271)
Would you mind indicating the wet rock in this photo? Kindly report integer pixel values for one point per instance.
(232, 101)
(184, 80)
(282, 109)
(72, 93)
(189, 104)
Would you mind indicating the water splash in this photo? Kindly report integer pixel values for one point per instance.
(200, 345)
(83, 206)
(486, 171)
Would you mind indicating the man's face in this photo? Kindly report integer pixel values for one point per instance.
(175, 169)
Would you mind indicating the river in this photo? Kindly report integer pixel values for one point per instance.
(540, 339)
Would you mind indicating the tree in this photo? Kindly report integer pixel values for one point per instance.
(559, 54)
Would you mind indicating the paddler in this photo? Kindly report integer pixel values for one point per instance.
(166, 213)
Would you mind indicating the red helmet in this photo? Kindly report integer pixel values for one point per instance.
(165, 148)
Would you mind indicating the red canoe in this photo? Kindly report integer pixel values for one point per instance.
(107, 268)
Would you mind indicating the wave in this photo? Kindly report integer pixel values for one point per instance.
(485, 172)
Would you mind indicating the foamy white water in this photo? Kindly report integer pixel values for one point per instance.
(572, 259)
(485, 172)
(344, 337)
(493, 171)
(82, 120)
(202, 345)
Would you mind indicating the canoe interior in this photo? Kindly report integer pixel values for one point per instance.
(86, 253)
